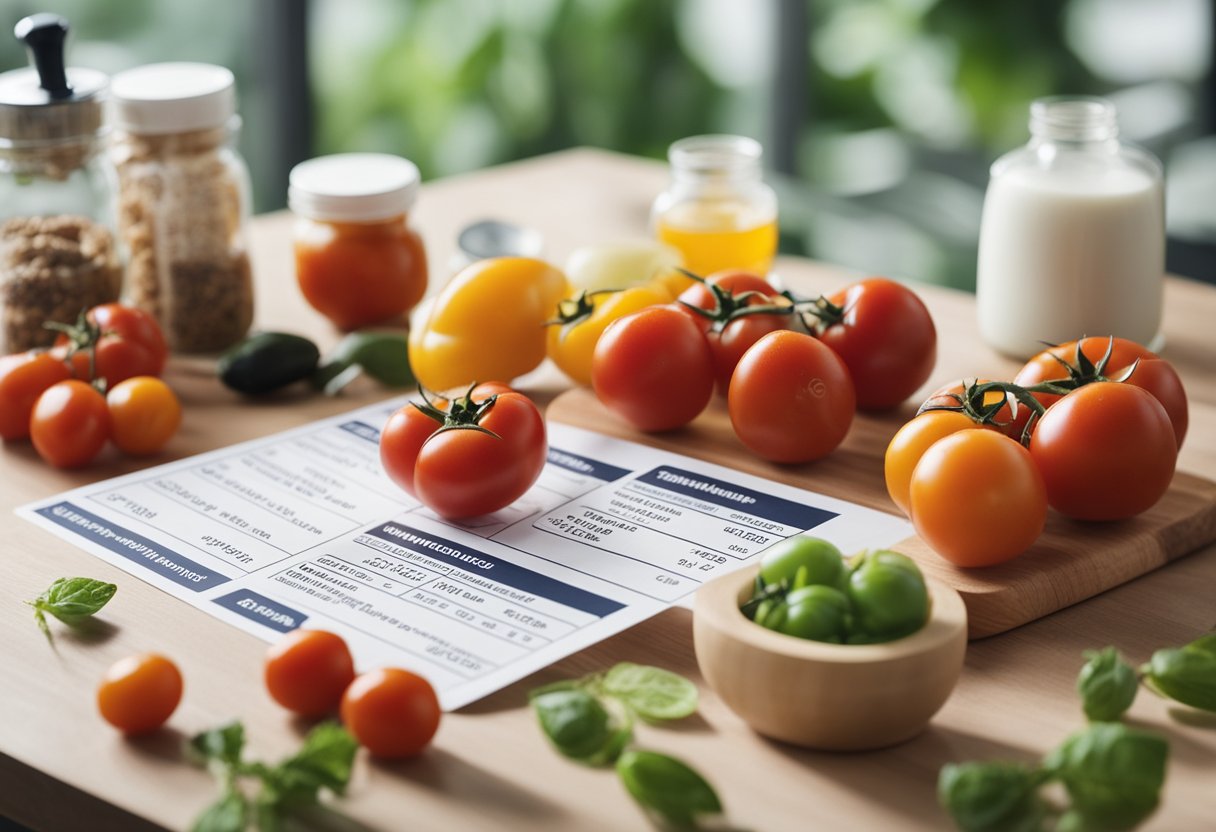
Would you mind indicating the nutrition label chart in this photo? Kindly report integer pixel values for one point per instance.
(303, 528)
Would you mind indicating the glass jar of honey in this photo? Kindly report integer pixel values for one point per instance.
(358, 262)
(718, 212)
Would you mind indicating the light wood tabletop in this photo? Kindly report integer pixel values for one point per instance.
(61, 767)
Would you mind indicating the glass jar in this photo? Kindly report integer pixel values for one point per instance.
(57, 191)
(184, 202)
(717, 211)
(358, 262)
(1072, 240)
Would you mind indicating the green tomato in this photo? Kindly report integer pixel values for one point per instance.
(820, 613)
(888, 595)
(802, 561)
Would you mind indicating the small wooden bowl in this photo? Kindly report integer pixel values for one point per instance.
(836, 697)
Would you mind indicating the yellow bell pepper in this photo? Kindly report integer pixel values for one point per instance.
(487, 324)
(583, 318)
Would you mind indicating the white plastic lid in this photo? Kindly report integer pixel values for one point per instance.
(173, 98)
(353, 187)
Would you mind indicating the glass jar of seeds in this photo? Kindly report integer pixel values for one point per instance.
(57, 192)
(184, 202)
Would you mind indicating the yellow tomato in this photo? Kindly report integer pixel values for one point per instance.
(144, 415)
(487, 323)
(585, 317)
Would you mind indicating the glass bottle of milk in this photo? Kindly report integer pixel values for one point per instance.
(1072, 240)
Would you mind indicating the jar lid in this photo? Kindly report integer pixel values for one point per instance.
(353, 187)
(176, 97)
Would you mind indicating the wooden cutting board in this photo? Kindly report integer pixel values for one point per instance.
(1071, 561)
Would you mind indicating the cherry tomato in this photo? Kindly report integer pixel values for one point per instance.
(977, 498)
(1107, 451)
(70, 424)
(446, 458)
(802, 561)
(909, 445)
(139, 693)
(732, 331)
(144, 415)
(888, 596)
(392, 713)
(1153, 374)
(791, 398)
(307, 672)
(125, 341)
(886, 337)
(581, 320)
(23, 378)
(654, 369)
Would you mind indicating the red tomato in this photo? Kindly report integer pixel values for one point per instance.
(138, 694)
(23, 378)
(458, 470)
(909, 445)
(1106, 451)
(392, 713)
(731, 333)
(886, 337)
(307, 672)
(1152, 374)
(977, 498)
(70, 424)
(654, 369)
(127, 342)
(791, 398)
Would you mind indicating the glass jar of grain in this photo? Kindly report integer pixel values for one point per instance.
(184, 202)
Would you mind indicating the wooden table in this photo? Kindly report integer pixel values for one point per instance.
(490, 768)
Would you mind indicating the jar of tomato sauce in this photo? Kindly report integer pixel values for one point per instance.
(358, 262)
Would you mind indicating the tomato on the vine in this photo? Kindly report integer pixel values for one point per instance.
(909, 445)
(791, 398)
(70, 424)
(977, 498)
(113, 343)
(737, 309)
(1106, 451)
(23, 378)
(654, 368)
(144, 414)
(582, 319)
(474, 455)
(392, 713)
(1078, 363)
(308, 670)
(885, 335)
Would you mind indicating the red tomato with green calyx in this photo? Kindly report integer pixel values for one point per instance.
(474, 455)
(113, 343)
(791, 398)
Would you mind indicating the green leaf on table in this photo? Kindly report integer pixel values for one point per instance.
(580, 727)
(667, 788)
(228, 814)
(324, 762)
(1113, 774)
(651, 692)
(223, 745)
(71, 600)
(1107, 685)
(382, 355)
(1185, 674)
(992, 797)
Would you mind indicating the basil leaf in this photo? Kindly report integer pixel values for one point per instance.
(1107, 685)
(1185, 674)
(72, 600)
(324, 762)
(580, 727)
(228, 814)
(223, 744)
(667, 788)
(1112, 773)
(651, 692)
(992, 797)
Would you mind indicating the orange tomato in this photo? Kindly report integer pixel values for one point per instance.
(70, 424)
(392, 713)
(357, 274)
(307, 672)
(139, 693)
(144, 415)
(909, 445)
(23, 378)
(977, 498)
